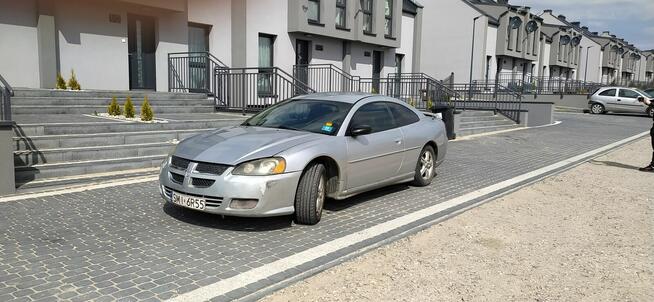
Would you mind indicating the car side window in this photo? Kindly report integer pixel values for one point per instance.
(608, 92)
(376, 115)
(628, 93)
(403, 116)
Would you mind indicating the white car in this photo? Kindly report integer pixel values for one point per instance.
(619, 100)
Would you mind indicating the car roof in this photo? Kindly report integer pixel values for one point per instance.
(346, 97)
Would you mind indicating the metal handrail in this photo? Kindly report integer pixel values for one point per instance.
(191, 71)
(208, 54)
(6, 92)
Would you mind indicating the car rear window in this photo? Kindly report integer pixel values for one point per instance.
(608, 92)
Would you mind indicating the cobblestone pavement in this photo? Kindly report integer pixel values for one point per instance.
(123, 243)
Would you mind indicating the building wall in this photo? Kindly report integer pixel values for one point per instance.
(19, 63)
(217, 14)
(407, 40)
(447, 40)
(491, 50)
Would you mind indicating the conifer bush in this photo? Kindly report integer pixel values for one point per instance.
(146, 110)
(61, 83)
(73, 84)
(114, 108)
(130, 112)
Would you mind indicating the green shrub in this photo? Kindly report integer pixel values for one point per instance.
(146, 110)
(130, 112)
(61, 83)
(373, 90)
(429, 104)
(73, 84)
(114, 108)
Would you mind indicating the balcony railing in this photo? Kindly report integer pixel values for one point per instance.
(192, 71)
(6, 92)
(254, 89)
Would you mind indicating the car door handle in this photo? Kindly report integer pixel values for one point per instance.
(619, 100)
(398, 141)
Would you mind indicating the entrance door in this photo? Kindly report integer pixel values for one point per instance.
(397, 88)
(376, 70)
(199, 67)
(141, 48)
(302, 60)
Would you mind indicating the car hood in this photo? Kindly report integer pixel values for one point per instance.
(238, 144)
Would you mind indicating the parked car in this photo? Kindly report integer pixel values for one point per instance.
(650, 92)
(290, 157)
(619, 100)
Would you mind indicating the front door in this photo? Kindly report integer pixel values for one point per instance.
(302, 60)
(199, 67)
(141, 47)
(376, 70)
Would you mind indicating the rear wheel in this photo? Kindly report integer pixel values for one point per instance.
(596, 108)
(425, 168)
(310, 195)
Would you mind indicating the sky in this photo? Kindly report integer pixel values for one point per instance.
(632, 20)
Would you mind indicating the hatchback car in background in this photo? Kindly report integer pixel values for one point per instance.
(290, 157)
(618, 100)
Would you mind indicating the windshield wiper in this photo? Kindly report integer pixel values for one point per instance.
(288, 128)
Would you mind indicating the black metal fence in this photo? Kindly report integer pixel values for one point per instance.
(253, 89)
(6, 92)
(326, 78)
(192, 71)
(494, 97)
(529, 84)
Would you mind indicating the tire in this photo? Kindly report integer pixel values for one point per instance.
(597, 108)
(310, 195)
(425, 167)
(650, 111)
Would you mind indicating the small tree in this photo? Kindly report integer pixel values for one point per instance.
(429, 104)
(114, 108)
(61, 83)
(73, 84)
(130, 112)
(146, 110)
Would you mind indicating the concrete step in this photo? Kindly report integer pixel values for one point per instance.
(89, 109)
(469, 113)
(102, 101)
(52, 183)
(26, 131)
(101, 139)
(498, 117)
(30, 158)
(152, 95)
(471, 131)
(25, 174)
(478, 124)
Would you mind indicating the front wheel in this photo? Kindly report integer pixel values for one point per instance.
(597, 108)
(650, 111)
(310, 195)
(425, 168)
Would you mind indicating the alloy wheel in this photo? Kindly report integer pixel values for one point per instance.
(426, 165)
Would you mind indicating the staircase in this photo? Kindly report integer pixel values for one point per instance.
(477, 122)
(58, 139)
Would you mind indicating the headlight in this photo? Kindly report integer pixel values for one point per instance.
(266, 166)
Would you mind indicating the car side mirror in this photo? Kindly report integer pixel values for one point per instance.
(360, 130)
(641, 99)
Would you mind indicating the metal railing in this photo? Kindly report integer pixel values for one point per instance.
(6, 92)
(254, 88)
(495, 97)
(192, 71)
(420, 90)
(528, 84)
(326, 78)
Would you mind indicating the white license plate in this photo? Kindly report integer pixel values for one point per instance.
(188, 201)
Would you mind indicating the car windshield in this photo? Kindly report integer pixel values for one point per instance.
(318, 116)
(650, 93)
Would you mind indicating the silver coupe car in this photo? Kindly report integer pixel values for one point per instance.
(290, 157)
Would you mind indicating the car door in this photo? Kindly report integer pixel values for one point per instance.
(628, 101)
(406, 119)
(608, 97)
(377, 156)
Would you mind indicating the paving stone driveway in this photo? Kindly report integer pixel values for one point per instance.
(123, 243)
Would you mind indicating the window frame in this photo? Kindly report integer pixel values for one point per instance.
(265, 71)
(388, 18)
(317, 21)
(397, 121)
(368, 12)
(341, 5)
(615, 92)
(352, 120)
(629, 97)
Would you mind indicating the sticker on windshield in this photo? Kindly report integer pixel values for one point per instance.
(328, 127)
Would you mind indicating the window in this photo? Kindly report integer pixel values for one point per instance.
(264, 79)
(313, 13)
(509, 44)
(341, 13)
(403, 116)
(366, 10)
(376, 115)
(609, 92)
(626, 93)
(388, 18)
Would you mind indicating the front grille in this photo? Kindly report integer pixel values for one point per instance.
(179, 163)
(202, 182)
(216, 169)
(177, 178)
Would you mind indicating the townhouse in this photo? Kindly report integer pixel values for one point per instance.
(647, 65)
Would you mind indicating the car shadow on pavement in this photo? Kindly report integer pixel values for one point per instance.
(228, 223)
(613, 164)
(338, 205)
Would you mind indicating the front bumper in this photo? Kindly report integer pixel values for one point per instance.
(275, 194)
